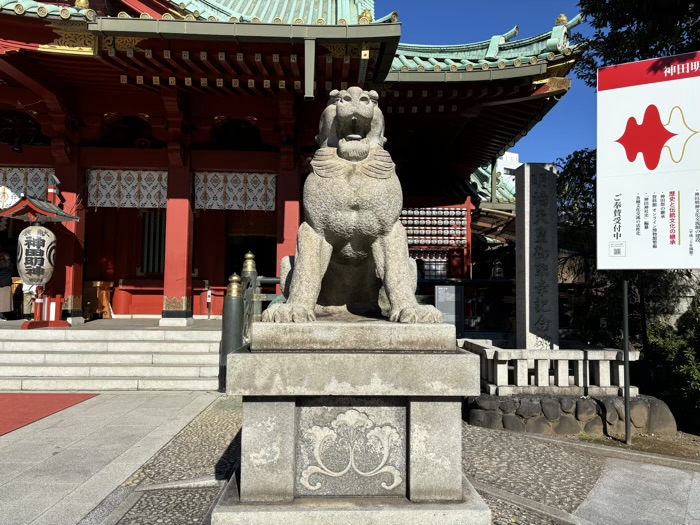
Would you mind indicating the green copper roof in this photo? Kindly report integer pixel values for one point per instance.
(499, 52)
(498, 56)
(481, 179)
(310, 12)
(28, 7)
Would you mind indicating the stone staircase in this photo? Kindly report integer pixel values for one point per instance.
(77, 359)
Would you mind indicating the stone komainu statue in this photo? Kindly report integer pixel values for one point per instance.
(352, 251)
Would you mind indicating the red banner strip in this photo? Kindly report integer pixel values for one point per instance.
(649, 71)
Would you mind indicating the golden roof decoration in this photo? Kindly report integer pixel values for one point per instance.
(562, 20)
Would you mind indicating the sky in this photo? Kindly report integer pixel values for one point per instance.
(570, 125)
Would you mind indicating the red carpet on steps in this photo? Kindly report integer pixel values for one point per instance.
(19, 410)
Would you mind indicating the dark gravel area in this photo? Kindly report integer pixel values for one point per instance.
(504, 513)
(548, 473)
(170, 507)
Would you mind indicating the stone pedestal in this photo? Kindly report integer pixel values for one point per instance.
(362, 436)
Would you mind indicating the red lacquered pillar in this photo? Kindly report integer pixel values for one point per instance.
(177, 286)
(71, 239)
(288, 205)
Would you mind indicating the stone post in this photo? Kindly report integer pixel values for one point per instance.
(537, 294)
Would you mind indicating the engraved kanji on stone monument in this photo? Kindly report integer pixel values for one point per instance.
(536, 257)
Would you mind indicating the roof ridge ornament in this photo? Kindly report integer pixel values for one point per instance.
(559, 39)
(368, 15)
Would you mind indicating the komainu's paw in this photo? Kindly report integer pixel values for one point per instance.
(416, 314)
(288, 313)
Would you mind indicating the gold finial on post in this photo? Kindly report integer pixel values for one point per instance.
(82, 4)
(562, 20)
(235, 287)
(249, 263)
(368, 15)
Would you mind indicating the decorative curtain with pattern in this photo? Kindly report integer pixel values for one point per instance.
(127, 189)
(15, 182)
(235, 191)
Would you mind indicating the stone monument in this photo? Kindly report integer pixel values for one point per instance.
(351, 407)
(537, 292)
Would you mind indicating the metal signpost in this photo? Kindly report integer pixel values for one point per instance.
(648, 174)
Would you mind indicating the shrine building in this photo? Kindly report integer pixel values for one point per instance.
(179, 133)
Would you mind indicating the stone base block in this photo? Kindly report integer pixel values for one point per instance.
(363, 335)
(347, 374)
(489, 388)
(603, 391)
(595, 391)
(472, 510)
(175, 321)
(634, 391)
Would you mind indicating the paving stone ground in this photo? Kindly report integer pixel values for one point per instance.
(204, 448)
(541, 472)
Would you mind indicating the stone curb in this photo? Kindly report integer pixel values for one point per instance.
(206, 520)
(118, 513)
(533, 506)
(631, 455)
(196, 483)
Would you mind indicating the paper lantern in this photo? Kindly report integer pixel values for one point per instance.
(36, 255)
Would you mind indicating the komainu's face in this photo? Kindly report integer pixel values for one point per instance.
(354, 114)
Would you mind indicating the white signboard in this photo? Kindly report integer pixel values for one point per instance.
(648, 177)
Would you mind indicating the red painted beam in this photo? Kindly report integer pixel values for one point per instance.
(123, 158)
(20, 98)
(207, 160)
(46, 94)
(142, 8)
(29, 156)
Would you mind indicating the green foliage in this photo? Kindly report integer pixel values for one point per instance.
(576, 187)
(585, 436)
(629, 30)
(672, 363)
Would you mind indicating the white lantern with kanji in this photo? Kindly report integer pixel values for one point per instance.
(36, 255)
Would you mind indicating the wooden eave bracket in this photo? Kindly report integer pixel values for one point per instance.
(58, 125)
(551, 86)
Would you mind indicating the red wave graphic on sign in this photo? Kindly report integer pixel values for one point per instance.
(648, 139)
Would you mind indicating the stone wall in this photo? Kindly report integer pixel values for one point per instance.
(552, 415)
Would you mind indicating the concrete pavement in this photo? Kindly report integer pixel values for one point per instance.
(56, 470)
(633, 493)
